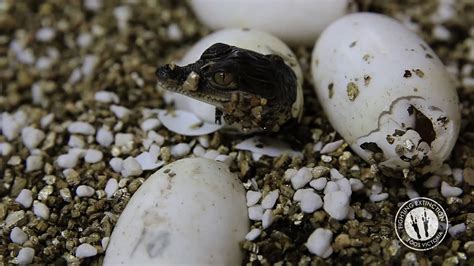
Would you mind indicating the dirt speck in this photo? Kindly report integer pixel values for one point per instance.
(352, 91)
(407, 74)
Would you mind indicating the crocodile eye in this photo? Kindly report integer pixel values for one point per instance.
(222, 78)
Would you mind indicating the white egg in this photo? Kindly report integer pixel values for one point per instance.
(384, 90)
(254, 40)
(192, 211)
(297, 22)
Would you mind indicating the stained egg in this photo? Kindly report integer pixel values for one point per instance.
(386, 92)
(254, 40)
(192, 211)
(296, 22)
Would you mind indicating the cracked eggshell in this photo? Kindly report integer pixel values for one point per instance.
(254, 40)
(292, 21)
(192, 211)
(385, 91)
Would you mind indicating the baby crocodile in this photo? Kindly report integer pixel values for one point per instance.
(251, 91)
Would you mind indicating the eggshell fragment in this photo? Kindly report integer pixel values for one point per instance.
(186, 123)
(386, 92)
(254, 40)
(192, 211)
(292, 21)
(266, 146)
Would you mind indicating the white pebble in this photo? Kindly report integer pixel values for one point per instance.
(289, 174)
(356, 184)
(335, 175)
(105, 242)
(319, 184)
(378, 197)
(116, 164)
(253, 197)
(124, 139)
(155, 150)
(33, 163)
(449, 191)
(89, 64)
(174, 32)
(319, 242)
(157, 138)
(411, 192)
(267, 218)
(253, 234)
(180, 150)
(25, 256)
(18, 236)
(120, 111)
(41, 210)
(432, 182)
(5, 149)
(199, 151)
(147, 143)
(131, 167)
(270, 199)
(376, 188)
(458, 175)
(81, 128)
(84, 39)
(46, 120)
(84, 191)
(148, 161)
(318, 146)
(111, 187)
(309, 200)
(150, 124)
(68, 160)
(76, 142)
(457, 229)
(331, 186)
(204, 141)
(344, 186)
(336, 204)
(10, 127)
(226, 159)
(331, 146)
(211, 154)
(86, 250)
(32, 137)
(93, 5)
(106, 97)
(441, 33)
(14, 160)
(301, 178)
(93, 156)
(104, 137)
(25, 198)
(45, 34)
(256, 212)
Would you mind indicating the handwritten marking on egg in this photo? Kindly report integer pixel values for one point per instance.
(386, 92)
(192, 211)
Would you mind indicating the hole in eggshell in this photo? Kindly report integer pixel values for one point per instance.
(371, 146)
(423, 125)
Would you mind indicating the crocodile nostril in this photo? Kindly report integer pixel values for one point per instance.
(166, 72)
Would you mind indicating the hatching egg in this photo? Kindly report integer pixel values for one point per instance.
(192, 211)
(297, 22)
(386, 92)
(254, 40)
